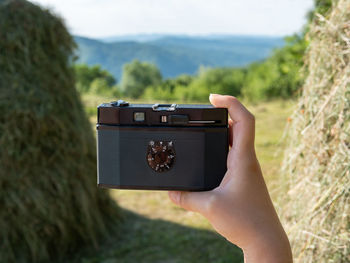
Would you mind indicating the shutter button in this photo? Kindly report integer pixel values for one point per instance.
(120, 103)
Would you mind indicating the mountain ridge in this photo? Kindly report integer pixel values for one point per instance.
(175, 55)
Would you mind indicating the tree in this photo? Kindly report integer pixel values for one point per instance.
(217, 80)
(85, 75)
(279, 75)
(137, 76)
(100, 86)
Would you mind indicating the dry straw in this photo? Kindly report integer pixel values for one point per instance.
(49, 201)
(316, 209)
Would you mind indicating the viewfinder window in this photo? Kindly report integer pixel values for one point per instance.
(139, 116)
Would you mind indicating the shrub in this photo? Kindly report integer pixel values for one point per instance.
(86, 75)
(217, 80)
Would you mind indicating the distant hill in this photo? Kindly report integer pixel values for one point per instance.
(135, 37)
(175, 55)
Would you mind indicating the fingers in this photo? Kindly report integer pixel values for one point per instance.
(192, 201)
(230, 124)
(243, 126)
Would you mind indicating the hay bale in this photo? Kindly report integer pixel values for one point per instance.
(49, 200)
(317, 161)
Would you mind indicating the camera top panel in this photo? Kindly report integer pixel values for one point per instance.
(123, 113)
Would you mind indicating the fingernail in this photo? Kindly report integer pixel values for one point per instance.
(211, 95)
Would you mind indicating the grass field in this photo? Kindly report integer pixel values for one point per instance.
(154, 230)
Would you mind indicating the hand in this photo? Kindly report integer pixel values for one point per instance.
(240, 209)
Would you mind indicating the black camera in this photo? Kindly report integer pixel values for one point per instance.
(161, 146)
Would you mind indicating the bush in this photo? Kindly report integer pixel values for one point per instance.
(100, 86)
(85, 77)
(217, 80)
(49, 201)
(188, 88)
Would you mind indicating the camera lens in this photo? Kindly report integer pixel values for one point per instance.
(160, 155)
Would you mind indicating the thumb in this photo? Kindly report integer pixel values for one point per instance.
(243, 120)
(192, 201)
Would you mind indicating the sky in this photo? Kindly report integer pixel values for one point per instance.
(106, 18)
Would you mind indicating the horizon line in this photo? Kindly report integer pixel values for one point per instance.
(185, 35)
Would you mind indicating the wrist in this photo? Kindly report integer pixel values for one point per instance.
(270, 255)
(269, 249)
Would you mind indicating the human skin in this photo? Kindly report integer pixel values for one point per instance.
(240, 208)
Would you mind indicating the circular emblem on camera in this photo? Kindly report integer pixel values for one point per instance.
(160, 155)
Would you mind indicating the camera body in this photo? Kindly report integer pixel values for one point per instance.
(161, 146)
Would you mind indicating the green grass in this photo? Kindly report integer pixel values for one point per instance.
(271, 119)
(155, 230)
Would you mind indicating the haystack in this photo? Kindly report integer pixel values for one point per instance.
(317, 161)
(48, 197)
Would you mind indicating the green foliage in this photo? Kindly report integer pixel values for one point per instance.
(166, 90)
(218, 80)
(49, 201)
(321, 7)
(95, 80)
(137, 76)
(279, 75)
(187, 88)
